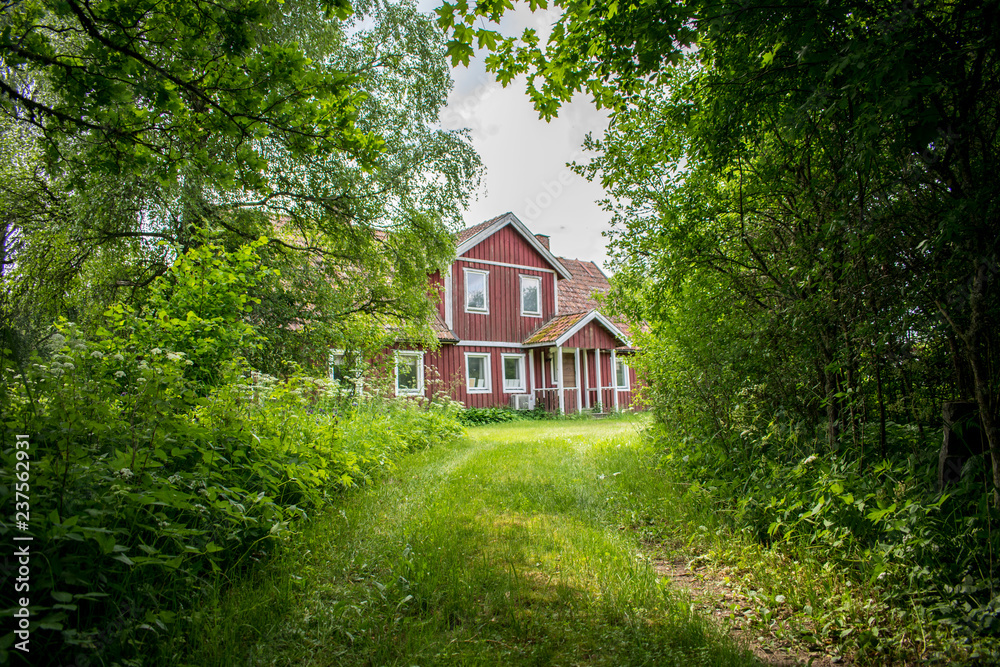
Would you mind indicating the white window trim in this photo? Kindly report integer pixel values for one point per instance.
(333, 353)
(489, 373)
(486, 291)
(420, 372)
(538, 280)
(503, 369)
(625, 374)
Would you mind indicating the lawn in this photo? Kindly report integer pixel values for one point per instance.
(509, 547)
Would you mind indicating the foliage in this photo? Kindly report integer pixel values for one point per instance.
(504, 548)
(483, 416)
(151, 476)
(334, 157)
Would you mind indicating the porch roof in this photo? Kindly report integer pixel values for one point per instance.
(562, 327)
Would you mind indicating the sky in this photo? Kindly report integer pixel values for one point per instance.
(525, 157)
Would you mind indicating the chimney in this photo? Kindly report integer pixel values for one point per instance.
(543, 239)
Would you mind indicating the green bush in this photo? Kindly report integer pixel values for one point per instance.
(483, 416)
(153, 479)
(886, 527)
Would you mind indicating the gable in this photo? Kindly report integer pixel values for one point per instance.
(506, 245)
(505, 239)
(592, 335)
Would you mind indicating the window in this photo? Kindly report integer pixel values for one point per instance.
(477, 373)
(621, 374)
(409, 373)
(476, 291)
(531, 296)
(513, 373)
(346, 369)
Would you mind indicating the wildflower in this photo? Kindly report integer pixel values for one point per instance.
(125, 474)
(96, 354)
(118, 357)
(809, 459)
(780, 599)
(119, 374)
(156, 350)
(173, 356)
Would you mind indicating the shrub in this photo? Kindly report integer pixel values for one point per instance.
(483, 416)
(144, 491)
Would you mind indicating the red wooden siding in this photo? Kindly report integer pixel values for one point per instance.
(504, 322)
(591, 336)
(507, 245)
(449, 373)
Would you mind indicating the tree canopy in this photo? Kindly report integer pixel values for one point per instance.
(131, 123)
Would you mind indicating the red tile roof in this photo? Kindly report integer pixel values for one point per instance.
(469, 232)
(441, 330)
(577, 295)
(557, 326)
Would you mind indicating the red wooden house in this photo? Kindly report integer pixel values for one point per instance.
(519, 326)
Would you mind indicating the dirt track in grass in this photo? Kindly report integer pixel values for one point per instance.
(513, 546)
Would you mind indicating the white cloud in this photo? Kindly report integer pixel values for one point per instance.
(525, 157)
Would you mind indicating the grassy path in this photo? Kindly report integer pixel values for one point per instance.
(507, 548)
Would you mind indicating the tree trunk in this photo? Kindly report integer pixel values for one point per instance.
(975, 347)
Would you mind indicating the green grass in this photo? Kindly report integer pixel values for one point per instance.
(506, 548)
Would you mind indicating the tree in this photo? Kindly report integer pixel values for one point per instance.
(867, 133)
(298, 121)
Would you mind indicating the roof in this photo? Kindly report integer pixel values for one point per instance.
(564, 326)
(577, 293)
(441, 330)
(469, 232)
(554, 328)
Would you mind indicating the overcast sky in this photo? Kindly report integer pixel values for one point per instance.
(525, 157)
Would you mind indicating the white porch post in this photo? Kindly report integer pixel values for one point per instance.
(600, 388)
(531, 363)
(559, 381)
(586, 378)
(576, 370)
(614, 377)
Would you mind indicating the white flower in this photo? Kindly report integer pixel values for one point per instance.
(156, 350)
(125, 473)
(809, 459)
(118, 357)
(780, 599)
(119, 374)
(96, 355)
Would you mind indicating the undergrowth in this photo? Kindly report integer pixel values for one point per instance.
(875, 559)
(159, 467)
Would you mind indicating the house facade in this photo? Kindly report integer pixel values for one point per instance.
(520, 327)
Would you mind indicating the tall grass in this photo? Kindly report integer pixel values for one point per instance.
(503, 549)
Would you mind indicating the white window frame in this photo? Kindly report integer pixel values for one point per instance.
(486, 290)
(420, 372)
(503, 374)
(355, 372)
(621, 363)
(489, 373)
(538, 281)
